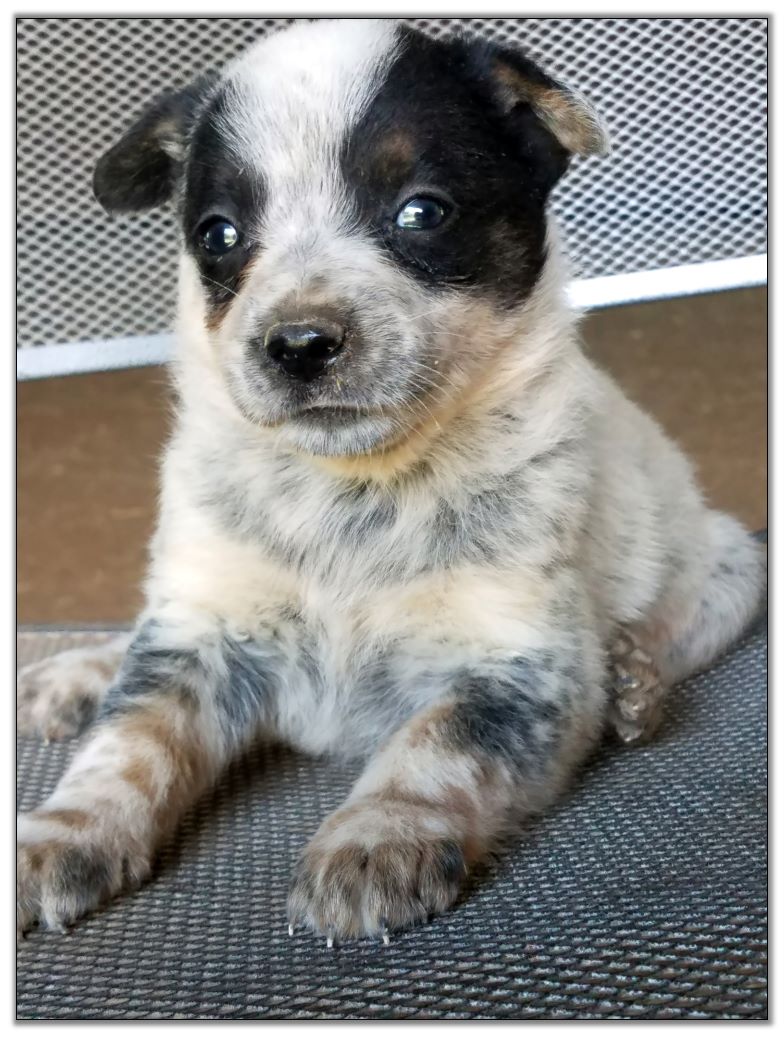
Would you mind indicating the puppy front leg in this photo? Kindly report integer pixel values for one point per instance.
(441, 793)
(180, 706)
(57, 697)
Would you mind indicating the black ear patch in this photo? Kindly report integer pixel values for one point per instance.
(141, 171)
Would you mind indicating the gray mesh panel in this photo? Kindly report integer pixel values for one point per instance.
(684, 100)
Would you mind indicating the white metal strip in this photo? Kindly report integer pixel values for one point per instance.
(75, 358)
(687, 280)
(71, 358)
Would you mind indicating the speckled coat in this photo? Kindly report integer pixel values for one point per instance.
(441, 550)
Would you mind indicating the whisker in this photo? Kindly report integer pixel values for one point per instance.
(219, 285)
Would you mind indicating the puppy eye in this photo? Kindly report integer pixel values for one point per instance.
(421, 214)
(217, 236)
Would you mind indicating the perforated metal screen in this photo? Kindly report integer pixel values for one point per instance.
(684, 99)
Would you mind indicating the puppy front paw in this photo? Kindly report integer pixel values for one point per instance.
(58, 697)
(377, 865)
(66, 868)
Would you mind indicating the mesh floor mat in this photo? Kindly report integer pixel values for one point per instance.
(642, 896)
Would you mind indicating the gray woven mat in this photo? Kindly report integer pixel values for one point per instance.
(643, 895)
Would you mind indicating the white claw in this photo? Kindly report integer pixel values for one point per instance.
(291, 930)
(385, 938)
(330, 942)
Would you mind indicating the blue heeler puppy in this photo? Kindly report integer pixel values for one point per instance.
(402, 515)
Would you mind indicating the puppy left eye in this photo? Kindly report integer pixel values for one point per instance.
(218, 236)
(421, 214)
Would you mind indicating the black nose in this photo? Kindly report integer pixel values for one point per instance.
(304, 349)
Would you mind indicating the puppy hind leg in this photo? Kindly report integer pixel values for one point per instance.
(693, 630)
(696, 622)
(637, 690)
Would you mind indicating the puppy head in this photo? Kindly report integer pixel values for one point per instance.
(363, 218)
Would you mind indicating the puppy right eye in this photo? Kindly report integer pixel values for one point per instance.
(218, 236)
(421, 213)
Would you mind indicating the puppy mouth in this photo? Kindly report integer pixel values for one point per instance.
(326, 413)
(328, 408)
(339, 429)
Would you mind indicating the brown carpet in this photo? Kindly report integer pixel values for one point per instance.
(88, 445)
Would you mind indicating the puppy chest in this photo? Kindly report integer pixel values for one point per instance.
(349, 670)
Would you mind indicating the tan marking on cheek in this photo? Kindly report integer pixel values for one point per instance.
(67, 816)
(217, 313)
(483, 385)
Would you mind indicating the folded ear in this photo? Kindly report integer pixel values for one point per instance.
(142, 169)
(520, 87)
(567, 115)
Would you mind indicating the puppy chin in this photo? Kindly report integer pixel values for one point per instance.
(338, 434)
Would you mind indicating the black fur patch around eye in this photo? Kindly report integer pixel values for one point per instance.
(218, 184)
(435, 126)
